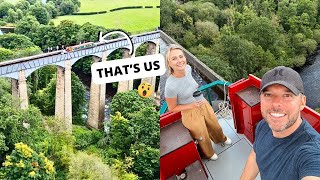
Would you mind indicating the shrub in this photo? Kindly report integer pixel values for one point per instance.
(58, 145)
(145, 125)
(5, 87)
(59, 140)
(119, 135)
(24, 163)
(146, 161)
(20, 126)
(5, 54)
(84, 166)
(122, 167)
(129, 102)
(85, 137)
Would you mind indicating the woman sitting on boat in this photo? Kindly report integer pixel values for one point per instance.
(181, 95)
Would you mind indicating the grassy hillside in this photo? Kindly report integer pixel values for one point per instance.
(106, 5)
(132, 20)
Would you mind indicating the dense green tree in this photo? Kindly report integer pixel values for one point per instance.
(27, 26)
(310, 46)
(303, 45)
(207, 32)
(219, 66)
(12, 126)
(308, 7)
(222, 4)
(52, 10)
(175, 30)
(4, 8)
(184, 18)
(189, 40)
(67, 32)
(247, 15)
(40, 13)
(30, 51)
(244, 55)
(5, 54)
(19, 14)
(146, 126)
(12, 16)
(67, 7)
(316, 35)
(120, 103)
(146, 161)
(266, 8)
(46, 36)
(231, 16)
(141, 50)
(134, 138)
(84, 65)
(15, 41)
(298, 61)
(285, 11)
(261, 32)
(23, 5)
(167, 12)
(119, 135)
(89, 32)
(201, 11)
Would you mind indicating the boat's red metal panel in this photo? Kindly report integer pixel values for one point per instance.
(177, 148)
(168, 118)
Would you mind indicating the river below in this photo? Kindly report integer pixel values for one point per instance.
(310, 75)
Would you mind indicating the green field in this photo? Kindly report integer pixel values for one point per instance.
(106, 5)
(132, 20)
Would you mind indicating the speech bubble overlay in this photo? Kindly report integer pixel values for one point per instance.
(127, 69)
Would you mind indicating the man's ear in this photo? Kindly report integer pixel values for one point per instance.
(303, 101)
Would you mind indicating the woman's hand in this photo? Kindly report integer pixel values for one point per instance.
(174, 107)
(198, 103)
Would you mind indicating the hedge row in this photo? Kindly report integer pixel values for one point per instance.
(111, 10)
(126, 7)
(89, 13)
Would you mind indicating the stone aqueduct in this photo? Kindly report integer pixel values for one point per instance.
(19, 69)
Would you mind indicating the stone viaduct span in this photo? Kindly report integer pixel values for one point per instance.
(19, 69)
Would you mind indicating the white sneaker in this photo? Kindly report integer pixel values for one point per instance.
(228, 141)
(214, 157)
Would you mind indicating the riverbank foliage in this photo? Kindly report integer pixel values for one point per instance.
(128, 148)
(237, 38)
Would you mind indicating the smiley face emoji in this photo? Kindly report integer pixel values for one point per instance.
(145, 90)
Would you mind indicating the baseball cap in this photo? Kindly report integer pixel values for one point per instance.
(284, 76)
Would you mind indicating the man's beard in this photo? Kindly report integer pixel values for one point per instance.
(285, 126)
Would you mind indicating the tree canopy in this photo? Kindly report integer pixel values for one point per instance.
(244, 36)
